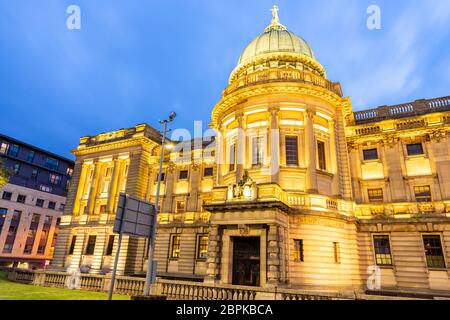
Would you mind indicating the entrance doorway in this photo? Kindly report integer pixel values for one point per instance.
(246, 261)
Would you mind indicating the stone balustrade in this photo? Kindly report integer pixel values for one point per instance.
(402, 210)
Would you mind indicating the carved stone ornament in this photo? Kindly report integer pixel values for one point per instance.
(437, 135)
(245, 189)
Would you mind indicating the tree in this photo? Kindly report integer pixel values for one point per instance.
(4, 174)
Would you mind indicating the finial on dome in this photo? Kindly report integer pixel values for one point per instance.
(275, 24)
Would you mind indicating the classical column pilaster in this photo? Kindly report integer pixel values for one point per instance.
(94, 188)
(335, 189)
(273, 256)
(274, 145)
(220, 159)
(310, 151)
(213, 261)
(113, 187)
(80, 189)
(99, 249)
(240, 150)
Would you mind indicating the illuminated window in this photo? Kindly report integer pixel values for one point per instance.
(382, 249)
(208, 172)
(183, 175)
(375, 195)
(69, 172)
(433, 251)
(291, 150)
(4, 147)
(175, 247)
(202, 246)
(3, 212)
(110, 245)
(103, 208)
(422, 193)
(45, 188)
(54, 179)
(370, 154)
(72, 245)
(298, 250)
(414, 149)
(180, 207)
(337, 252)
(232, 157)
(321, 155)
(257, 151)
(90, 245)
(36, 218)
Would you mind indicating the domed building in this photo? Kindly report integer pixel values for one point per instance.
(295, 191)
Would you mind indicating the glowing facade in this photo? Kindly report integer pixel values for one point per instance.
(295, 191)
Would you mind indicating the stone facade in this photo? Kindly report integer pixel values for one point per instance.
(295, 191)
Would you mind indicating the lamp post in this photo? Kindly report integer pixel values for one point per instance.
(150, 272)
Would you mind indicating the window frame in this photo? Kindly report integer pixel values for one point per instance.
(374, 250)
(299, 251)
(415, 154)
(321, 155)
(209, 169)
(375, 199)
(442, 249)
(288, 156)
(420, 198)
(183, 178)
(90, 245)
(172, 246)
(199, 246)
(364, 151)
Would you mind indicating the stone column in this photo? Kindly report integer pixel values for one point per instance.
(113, 187)
(94, 186)
(274, 146)
(80, 189)
(213, 261)
(240, 147)
(310, 152)
(273, 256)
(335, 188)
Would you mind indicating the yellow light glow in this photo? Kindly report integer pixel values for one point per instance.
(257, 124)
(292, 123)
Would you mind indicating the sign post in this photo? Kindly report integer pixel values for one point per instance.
(135, 218)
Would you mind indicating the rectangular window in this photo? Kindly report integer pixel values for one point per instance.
(103, 208)
(370, 154)
(40, 203)
(13, 150)
(257, 151)
(180, 208)
(202, 246)
(36, 218)
(109, 246)
(291, 150)
(375, 195)
(30, 241)
(433, 251)
(208, 172)
(52, 205)
(16, 169)
(31, 155)
(72, 245)
(298, 250)
(414, 149)
(54, 179)
(422, 193)
(34, 174)
(69, 172)
(52, 164)
(183, 175)
(21, 198)
(3, 212)
(232, 158)
(321, 155)
(7, 195)
(48, 221)
(175, 247)
(90, 245)
(62, 206)
(337, 252)
(382, 250)
(163, 176)
(4, 147)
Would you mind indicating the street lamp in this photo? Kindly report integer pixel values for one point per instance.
(149, 280)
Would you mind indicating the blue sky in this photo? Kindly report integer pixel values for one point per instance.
(134, 61)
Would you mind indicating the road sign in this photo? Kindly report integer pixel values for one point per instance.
(134, 217)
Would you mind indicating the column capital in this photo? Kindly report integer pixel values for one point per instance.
(309, 114)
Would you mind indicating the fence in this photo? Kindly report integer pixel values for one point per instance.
(172, 289)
